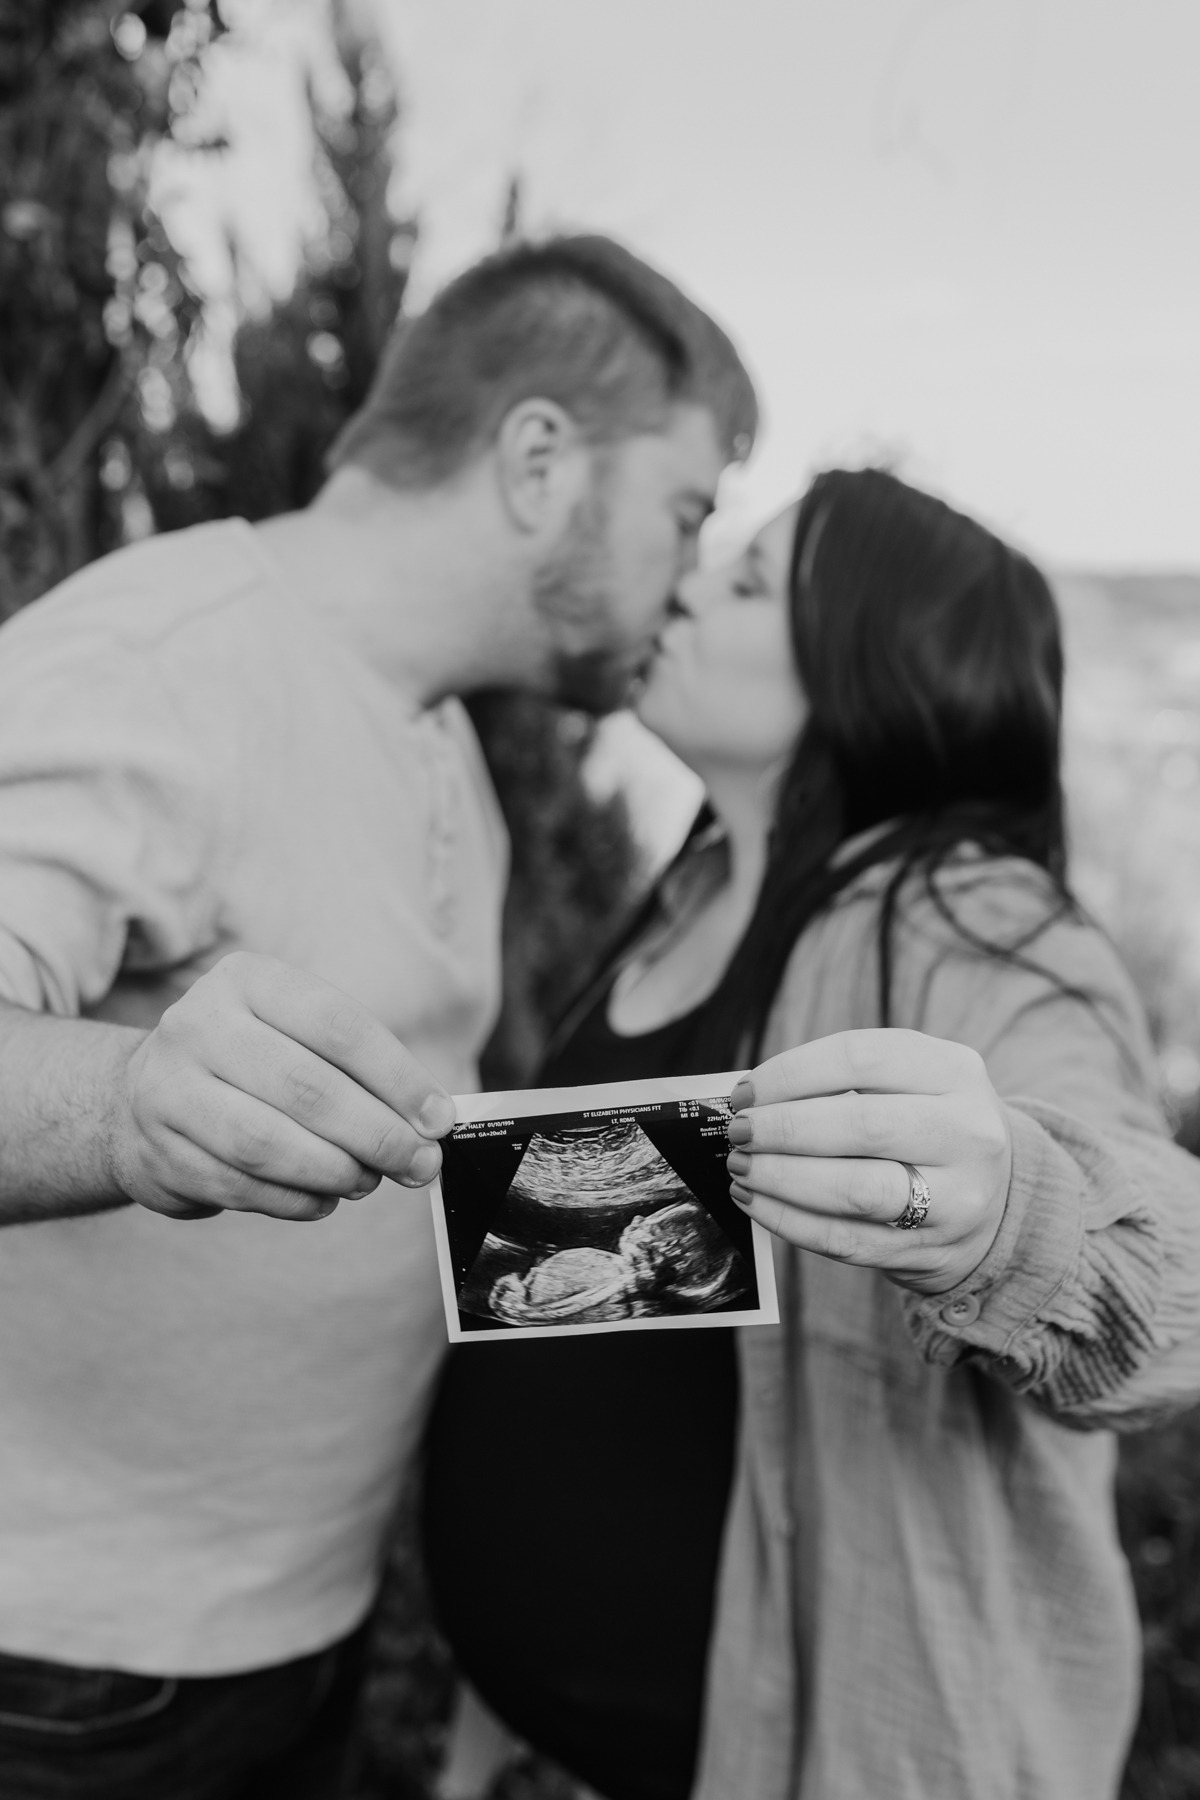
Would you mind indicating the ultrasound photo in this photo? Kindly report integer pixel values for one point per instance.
(603, 1217)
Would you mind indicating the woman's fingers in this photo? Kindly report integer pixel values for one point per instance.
(885, 1061)
(819, 1134)
(915, 1258)
(915, 1128)
(868, 1189)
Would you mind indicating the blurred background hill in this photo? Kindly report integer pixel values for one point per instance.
(208, 226)
(1133, 775)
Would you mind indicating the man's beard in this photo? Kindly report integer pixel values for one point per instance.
(575, 585)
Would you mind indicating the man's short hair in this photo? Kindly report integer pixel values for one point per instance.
(577, 320)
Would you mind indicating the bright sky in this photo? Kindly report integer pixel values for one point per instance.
(961, 234)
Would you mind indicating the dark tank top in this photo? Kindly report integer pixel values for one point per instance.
(575, 1496)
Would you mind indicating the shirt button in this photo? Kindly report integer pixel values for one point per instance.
(963, 1311)
(785, 1524)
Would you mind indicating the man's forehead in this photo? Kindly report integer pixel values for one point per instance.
(686, 451)
(694, 430)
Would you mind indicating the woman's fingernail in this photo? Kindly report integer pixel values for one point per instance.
(742, 1195)
(740, 1129)
(738, 1162)
(742, 1095)
(326, 1207)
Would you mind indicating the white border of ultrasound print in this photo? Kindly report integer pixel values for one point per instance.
(474, 1109)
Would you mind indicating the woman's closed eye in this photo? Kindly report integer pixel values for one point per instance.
(749, 578)
(748, 584)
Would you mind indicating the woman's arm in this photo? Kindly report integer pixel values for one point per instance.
(1089, 1299)
(1062, 1244)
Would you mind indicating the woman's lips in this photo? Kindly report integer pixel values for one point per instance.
(669, 635)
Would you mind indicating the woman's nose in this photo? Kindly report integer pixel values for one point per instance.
(688, 598)
(697, 591)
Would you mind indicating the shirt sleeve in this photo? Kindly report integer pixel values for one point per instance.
(107, 826)
(1089, 1298)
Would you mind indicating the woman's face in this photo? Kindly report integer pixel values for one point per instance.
(723, 692)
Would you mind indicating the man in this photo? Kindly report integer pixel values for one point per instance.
(250, 885)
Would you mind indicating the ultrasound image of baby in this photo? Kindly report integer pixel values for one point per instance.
(597, 1226)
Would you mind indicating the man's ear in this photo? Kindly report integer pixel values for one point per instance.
(542, 465)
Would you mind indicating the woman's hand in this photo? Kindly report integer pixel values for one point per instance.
(819, 1135)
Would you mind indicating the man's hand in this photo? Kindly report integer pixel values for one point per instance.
(266, 1090)
(819, 1135)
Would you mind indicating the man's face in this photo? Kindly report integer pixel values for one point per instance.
(604, 594)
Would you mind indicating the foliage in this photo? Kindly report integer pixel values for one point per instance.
(92, 298)
(1160, 1527)
(305, 364)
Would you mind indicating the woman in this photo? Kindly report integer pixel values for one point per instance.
(873, 1549)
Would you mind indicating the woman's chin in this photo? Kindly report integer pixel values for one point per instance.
(665, 725)
(648, 708)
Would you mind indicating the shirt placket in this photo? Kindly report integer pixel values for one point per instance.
(443, 836)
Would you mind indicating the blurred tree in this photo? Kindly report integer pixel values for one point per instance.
(92, 298)
(102, 437)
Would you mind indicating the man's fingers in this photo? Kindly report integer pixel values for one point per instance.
(881, 1061)
(868, 1189)
(296, 1083)
(256, 1139)
(264, 1089)
(911, 1128)
(340, 1031)
(199, 1179)
(184, 1209)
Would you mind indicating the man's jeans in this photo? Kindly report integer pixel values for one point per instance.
(281, 1733)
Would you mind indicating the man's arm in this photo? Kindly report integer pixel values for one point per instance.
(263, 1089)
(55, 1079)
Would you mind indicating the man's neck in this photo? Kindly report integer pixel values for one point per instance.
(418, 585)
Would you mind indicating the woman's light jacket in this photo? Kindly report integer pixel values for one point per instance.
(922, 1596)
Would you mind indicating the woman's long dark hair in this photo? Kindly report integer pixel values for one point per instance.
(931, 663)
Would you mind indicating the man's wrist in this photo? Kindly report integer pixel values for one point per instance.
(114, 1114)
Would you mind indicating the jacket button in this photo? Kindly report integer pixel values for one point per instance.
(963, 1311)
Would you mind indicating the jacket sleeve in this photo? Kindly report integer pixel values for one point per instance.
(1089, 1299)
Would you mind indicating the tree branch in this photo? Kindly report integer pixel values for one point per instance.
(91, 428)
